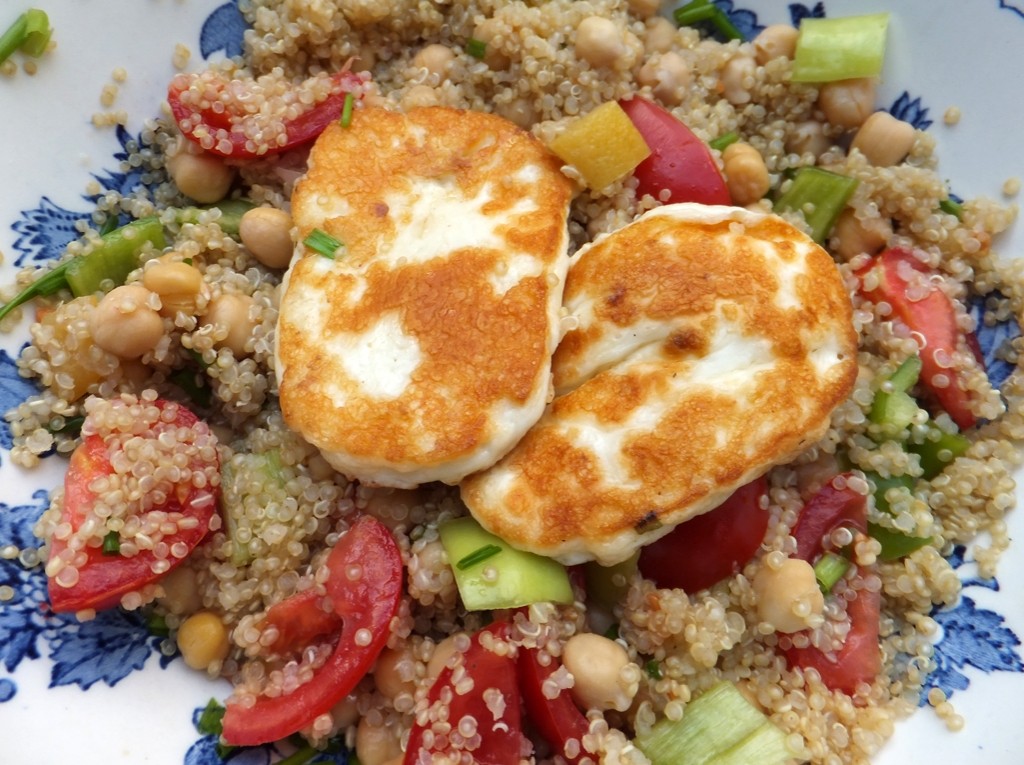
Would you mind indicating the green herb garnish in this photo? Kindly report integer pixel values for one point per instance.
(724, 141)
(71, 426)
(653, 669)
(829, 569)
(476, 48)
(705, 11)
(157, 625)
(952, 207)
(111, 543)
(478, 556)
(346, 110)
(30, 33)
(323, 243)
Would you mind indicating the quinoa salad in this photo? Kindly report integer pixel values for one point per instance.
(513, 382)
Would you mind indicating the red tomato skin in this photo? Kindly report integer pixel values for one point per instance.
(305, 128)
(105, 578)
(557, 719)
(709, 547)
(300, 620)
(367, 603)
(679, 160)
(500, 744)
(834, 505)
(932, 317)
(860, 658)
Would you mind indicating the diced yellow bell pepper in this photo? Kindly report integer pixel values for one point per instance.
(603, 145)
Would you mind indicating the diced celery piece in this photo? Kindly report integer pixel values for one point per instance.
(829, 49)
(507, 578)
(820, 195)
(896, 409)
(906, 374)
(938, 450)
(114, 256)
(716, 728)
(609, 584)
(894, 543)
(245, 479)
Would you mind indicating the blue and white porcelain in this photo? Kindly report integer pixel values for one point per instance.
(102, 692)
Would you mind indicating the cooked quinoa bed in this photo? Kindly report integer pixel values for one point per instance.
(212, 305)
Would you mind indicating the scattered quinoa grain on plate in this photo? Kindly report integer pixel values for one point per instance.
(500, 382)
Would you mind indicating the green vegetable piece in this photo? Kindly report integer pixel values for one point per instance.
(906, 374)
(111, 543)
(478, 556)
(246, 479)
(346, 110)
(157, 625)
(830, 49)
(829, 569)
(323, 243)
(720, 726)
(231, 212)
(608, 585)
(820, 195)
(653, 669)
(476, 48)
(895, 544)
(893, 408)
(114, 257)
(704, 11)
(723, 142)
(938, 450)
(30, 33)
(952, 207)
(507, 579)
(883, 485)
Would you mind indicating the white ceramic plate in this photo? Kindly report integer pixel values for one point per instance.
(100, 693)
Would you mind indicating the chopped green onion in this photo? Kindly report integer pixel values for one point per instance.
(70, 425)
(653, 669)
(111, 543)
(157, 625)
(346, 110)
(194, 385)
(700, 11)
(724, 141)
(211, 719)
(323, 243)
(829, 569)
(476, 48)
(830, 49)
(30, 32)
(514, 578)
(952, 207)
(231, 212)
(110, 224)
(820, 195)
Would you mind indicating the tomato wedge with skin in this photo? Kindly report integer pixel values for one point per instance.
(300, 620)
(105, 578)
(859, 660)
(709, 547)
(492, 702)
(906, 284)
(679, 162)
(558, 720)
(365, 590)
(195, 123)
(834, 505)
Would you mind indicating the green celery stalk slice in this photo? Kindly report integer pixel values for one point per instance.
(830, 49)
(765, 746)
(37, 32)
(828, 192)
(521, 577)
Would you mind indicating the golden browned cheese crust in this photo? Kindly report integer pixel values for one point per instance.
(422, 352)
(713, 343)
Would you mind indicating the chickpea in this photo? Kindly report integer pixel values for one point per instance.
(598, 41)
(854, 235)
(597, 665)
(233, 312)
(775, 41)
(847, 103)
(125, 324)
(519, 110)
(644, 8)
(884, 140)
(419, 96)
(736, 75)
(376, 744)
(435, 58)
(345, 712)
(788, 597)
(667, 75)
(394, 673)
(661, 34)
(181, 592)
(202, 177)
(178, 284)
(745, 173)
(363, 12)
(439, 659)
(267, 232)
(486, 32)
(808, 138)
(203, 639)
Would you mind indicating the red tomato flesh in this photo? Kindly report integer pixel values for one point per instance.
(706, 549)
(834, 505)
(300, 620)
(558, 720)
(492, 702)
(365, 590)
(679, 161)
(195, 123)
(906, 284)
(105, 578)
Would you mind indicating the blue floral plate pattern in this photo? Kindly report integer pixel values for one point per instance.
(142, 704)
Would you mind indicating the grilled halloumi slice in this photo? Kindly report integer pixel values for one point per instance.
(422, 350)
(712, 343)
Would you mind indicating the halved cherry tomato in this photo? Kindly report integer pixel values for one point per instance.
(492, 704)
(705, 549)
(103, 579)
(300, 620)
(859, 660)
(679, 162)
(194, 123)
(834, 505)
(558, 720)
(901, 277)
(365, 589)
